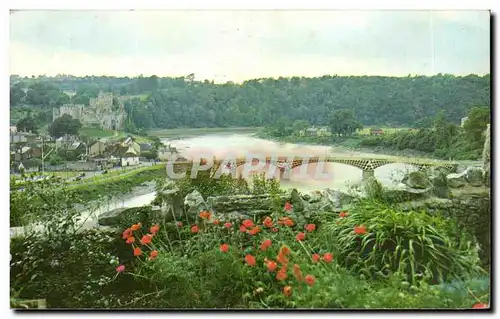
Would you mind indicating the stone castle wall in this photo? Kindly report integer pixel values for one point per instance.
(98, 113)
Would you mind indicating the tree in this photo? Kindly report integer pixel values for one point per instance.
(343, 122)
(64, 125)
(27, 124)
(475, 125)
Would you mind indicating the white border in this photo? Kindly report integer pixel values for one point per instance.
(197, 4)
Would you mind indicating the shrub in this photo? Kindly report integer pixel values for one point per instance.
(377, 240)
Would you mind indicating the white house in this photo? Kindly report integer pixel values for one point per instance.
(129, 157)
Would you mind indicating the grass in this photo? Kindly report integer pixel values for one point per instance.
(96, 132)
(201, 131)
(387, 130)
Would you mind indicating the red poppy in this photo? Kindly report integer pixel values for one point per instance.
(127, 233)
(205, 215)
(146, 239)
(288, 206)
(343, 214)
(153, 254)
(297, 272)
(281, 258)
(285, 250)
(310, 279)
(300, 236)
(135, 227)
(137, 251)
(243, 229)
(247, 223)
(328, 257)
(310, 227)
(250, 260)
(274, 230)
(287, 291)
(216, 222)
(254, 230)
(360, 230)
(265, 244)
(228, 225)
(288, 222)
(154, 229)
(480, 305)
(281, 275)
(316, 258)
(224, 248)
(195, 229)
(120, 268)
(268, 222)
(271, 265)
(130, 240)
(179, 224)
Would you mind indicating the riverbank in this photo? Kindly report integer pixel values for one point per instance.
(192, 132)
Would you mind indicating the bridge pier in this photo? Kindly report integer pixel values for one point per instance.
(367, 174)
(284, 174)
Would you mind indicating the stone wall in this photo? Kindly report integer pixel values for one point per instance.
(487, 156)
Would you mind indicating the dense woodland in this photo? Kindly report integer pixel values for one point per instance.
(183, 102)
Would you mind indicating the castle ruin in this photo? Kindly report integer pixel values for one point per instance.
(101, 112)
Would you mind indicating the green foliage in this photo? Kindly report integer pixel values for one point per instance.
(475, 125)
(343, 122)
(27, 124)
(412, 244)
(64, 125)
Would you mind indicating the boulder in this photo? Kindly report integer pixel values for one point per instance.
(439, 183)
(172, 203)
(296, 201)
(456, 180)
(416, 180)
(194, 204)
(123, 217)
(474, 176)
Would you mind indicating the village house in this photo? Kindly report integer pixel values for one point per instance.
(128, 157)
(23, 137)
(376, 131)
(323, 132)
(13, 129)
(130, 142)
(98, 148)
(65, 141)
(27, 152)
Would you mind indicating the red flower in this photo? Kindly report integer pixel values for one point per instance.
(287, 291)
(265, 244)
(268, 222)
(285, 250)
(281, 258)
(360, 230)
(130, 240)
(328, 257)
(254, 230)
(228, 225)
(247, 223)
(310, 227)
(297, 272)
(288, 222)
(316, 258)
(120, 268)
(224, 248)
(135, 226)
(480, 305)
(154, 229)
(195, 229)
(137, 251)
(205, 215)
(281, 275)
(250, 260)
(179, 224)
(300, 236)
(216, 222)
(146, 239)
(271, 265)
(274, 230)
(243, 229)
(288, 206)
(343, 214)
(310, 279)
(127, 233)
(153, 255)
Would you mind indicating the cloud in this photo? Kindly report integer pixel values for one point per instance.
(238, 45)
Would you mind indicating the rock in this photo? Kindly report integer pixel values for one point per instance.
(314, 197)
(487, 156)
(474, 176)
(194, 204)
(439, 183)
(456, 180)
(125, 216)
(112, 217)
(247, 204)
(306, 197)
(417, 180)
(172, 203)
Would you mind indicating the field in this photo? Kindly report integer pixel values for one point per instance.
(366, 130)
(96, 132)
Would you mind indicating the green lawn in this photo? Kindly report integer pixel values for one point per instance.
(201, 131)
(95, 132)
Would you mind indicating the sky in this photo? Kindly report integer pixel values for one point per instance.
(239, 45)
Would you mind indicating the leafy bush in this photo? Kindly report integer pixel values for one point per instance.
(413, 244)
